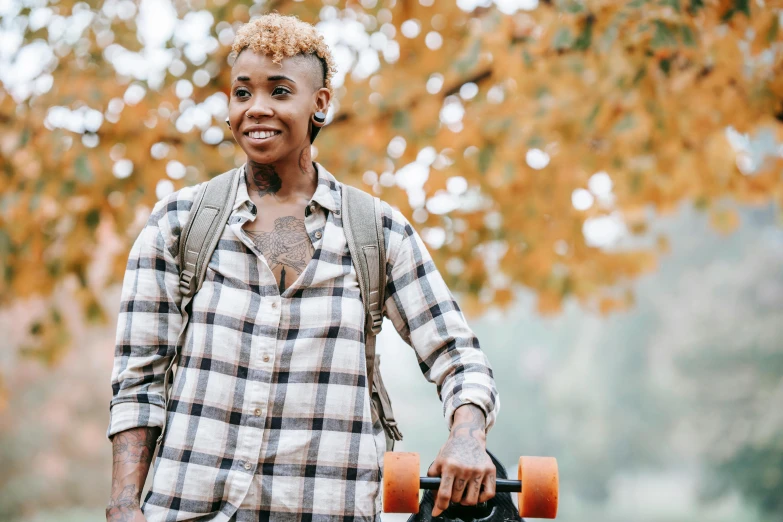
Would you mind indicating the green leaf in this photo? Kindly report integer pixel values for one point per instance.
(772, 32)
(467, 62)
(571, 6)
(687, 36)
(193, 148)
(585, 38)
(591, 118)
(400, 120)
(674, 4)
(36, 328)
(67, 187)
(83, 170)
(740, 6)
(641, 73)
(485, 158)
(701, 203)
(624, 124)
(528, 59)
(637, 182)
(24, 137)
(695, 6)
(93, 218)
(510, 172)
(563, 39)
(663, 37)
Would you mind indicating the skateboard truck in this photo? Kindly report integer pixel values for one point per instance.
(537, 486)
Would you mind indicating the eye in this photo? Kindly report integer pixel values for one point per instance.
(280, 90)
(239, 91)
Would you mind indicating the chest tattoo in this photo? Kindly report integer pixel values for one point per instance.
(287, 247)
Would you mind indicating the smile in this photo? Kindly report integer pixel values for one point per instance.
(261, 135)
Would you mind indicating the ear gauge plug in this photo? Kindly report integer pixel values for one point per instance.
(318, 117)
(228, 123)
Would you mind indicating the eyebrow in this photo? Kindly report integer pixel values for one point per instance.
(275, 78)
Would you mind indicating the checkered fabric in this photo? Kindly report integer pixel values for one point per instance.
(269, 416)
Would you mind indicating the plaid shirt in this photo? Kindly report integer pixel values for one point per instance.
(270, 394)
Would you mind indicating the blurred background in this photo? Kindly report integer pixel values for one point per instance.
(600, 182)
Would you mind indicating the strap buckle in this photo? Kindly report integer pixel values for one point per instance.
(390, 426)
(374, 321)
(185, 279)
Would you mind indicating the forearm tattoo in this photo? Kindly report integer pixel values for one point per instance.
(131, 450)
(133, 446)
(465, 441)
(124, 506)
(475, 424)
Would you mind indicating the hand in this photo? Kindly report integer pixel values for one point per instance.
(125, 507)
(463, 464)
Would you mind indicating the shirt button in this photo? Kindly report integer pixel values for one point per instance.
(266, 358)
(312, 209)
(318, 235)
(248, 466)
(337, 212)
(274, 305)
(257, 412)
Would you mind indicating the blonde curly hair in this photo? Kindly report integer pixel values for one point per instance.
(279, 36)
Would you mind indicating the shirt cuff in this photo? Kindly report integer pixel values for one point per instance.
(126, 415)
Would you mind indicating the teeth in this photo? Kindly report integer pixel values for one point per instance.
(261, 134)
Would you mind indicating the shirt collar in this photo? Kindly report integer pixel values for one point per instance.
(327, 194)
(243, 197)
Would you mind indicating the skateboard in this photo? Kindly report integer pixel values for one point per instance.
(537, 485)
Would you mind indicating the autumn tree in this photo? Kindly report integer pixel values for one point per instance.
(525, 145)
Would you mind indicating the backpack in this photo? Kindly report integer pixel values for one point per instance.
(362, 223)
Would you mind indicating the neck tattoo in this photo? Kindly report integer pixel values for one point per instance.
(265, 178)
(305, 162)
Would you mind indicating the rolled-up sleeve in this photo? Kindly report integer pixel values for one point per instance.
(147, 329)
(425, 314)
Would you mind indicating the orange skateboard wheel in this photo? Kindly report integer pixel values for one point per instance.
(540, 484)
(401, 482)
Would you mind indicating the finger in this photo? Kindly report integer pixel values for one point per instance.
(472, 491)
(434, 470)
(444, 494)
(458, 490)
(489, 487)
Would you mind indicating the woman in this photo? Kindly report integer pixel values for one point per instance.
(269, 416)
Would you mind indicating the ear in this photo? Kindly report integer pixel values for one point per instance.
(322, 99)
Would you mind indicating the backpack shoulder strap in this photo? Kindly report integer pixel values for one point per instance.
(363, 227)
(203, 229)
(364, 234)
(197, 240)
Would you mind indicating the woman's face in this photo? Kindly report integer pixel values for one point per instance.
(276, 101)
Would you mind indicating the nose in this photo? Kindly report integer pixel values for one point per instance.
(259, 108)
